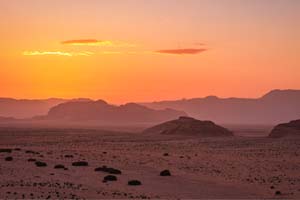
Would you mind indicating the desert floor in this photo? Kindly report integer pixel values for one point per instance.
(237, 167)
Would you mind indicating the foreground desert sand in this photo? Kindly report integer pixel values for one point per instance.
(234, 167)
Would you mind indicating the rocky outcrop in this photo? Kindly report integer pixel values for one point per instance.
(290, 129)
(190, 127)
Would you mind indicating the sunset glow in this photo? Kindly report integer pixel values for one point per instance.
(140, 50)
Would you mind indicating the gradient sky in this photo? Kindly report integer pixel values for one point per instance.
(145, 50)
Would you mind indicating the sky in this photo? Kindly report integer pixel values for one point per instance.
(148, 50)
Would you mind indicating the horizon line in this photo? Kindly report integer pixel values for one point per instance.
(150, 101)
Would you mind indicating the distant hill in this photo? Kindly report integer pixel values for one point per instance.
(27, 108)
(274, 107)
(106, 113)
(290, 129)
(187, 126)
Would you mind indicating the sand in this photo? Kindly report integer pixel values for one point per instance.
(231, 168)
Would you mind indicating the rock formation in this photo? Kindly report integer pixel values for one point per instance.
(190, 127)
(290, 129)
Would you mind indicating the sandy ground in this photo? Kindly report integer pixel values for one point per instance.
(230, 168)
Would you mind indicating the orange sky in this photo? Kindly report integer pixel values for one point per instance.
(144, 50)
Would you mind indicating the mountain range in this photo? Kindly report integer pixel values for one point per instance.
(105, 113)
(277, 106)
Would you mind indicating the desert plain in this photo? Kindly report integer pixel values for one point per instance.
(239, 167)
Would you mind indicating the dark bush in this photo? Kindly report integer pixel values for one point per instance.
(40, 164)
(5, 150)
(31, 152)
(59, 167)
(80, 164)
(278, 192)
(8, 158)
(165, 173)
(110, 178)
(109, 170)
(134, 182)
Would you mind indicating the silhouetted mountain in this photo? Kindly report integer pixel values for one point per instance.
(25, 108)
(275, 107)
(106, 113)
(290, 129)
(283, 95)
(188, 126)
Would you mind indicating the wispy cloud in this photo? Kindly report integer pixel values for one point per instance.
(78, 42)
(159, 52)
(101, 43)
(88, 53)
(56, 53)
(180, 51)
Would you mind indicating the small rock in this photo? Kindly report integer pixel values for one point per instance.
(40, 164)
(80, 164)
(5, 150)
(30, 152)
(8, 158)
(134, 182)
(110, 178)
(109, 170)
(59, 167)
(165, 173)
